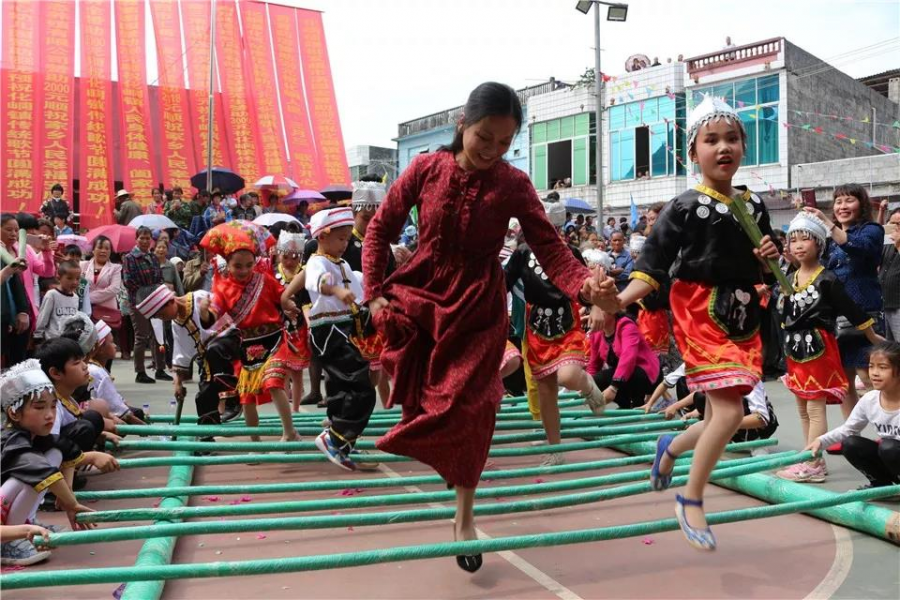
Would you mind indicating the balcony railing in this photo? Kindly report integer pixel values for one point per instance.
(736, 55)
(448, 117)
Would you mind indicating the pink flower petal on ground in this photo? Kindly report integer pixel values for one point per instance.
(212, 498)
(540, 480)
(246, 499)
(648, 541)
(12, 568)
(233, 502)
(350, 528)
(261, 536)
(156, 505)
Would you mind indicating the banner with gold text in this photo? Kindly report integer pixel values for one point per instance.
(95, 170)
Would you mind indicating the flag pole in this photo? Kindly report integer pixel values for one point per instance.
(210, 108)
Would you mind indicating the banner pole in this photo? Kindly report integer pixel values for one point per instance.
(211, 109)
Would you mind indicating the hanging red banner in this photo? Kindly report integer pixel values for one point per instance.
(240, 114)
(19, 96)
(304, 166)
(57, 80)
(95, 171)
(320, 97)
(179, 161)
(136, 137)
(195, 15)
(260, 72)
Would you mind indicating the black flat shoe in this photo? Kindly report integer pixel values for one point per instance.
(163, 376)
(144, 378)
(232, 411)
(311, 398)
(469, 562)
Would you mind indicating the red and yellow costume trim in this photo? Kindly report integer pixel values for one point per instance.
(713, 360)
(821, 376)
(654, 326)
(546, 356)
(72, 463)
(509, 353)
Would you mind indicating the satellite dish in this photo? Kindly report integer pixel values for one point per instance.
(636, 62)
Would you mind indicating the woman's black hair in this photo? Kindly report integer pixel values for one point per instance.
(4, 217)
(57, 186)
(99, 240)
(28, 221)
(891, 351)
(73, 249)
(170, 195)
(858, 192)
(56, 353)
(490, 99)
(143, 230)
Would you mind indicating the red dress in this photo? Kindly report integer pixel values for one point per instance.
(446, 326)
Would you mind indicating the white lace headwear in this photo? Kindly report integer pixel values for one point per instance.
(711, 109)
(597, 258)
(22, 382)
(367, 194)
(291, 243)
(636, 243)
(811, 224)
(556, 213)
(88, 337)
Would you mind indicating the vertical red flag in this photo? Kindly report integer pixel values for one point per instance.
(179, 161)
(138, 165)
(95, 125)
(57, 123)
(240, 115)
(19, 98)
(320, 97)
(195, 15)
(304, 166)
(260, 72)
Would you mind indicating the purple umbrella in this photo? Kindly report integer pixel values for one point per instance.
(338, 192)
(298, 196)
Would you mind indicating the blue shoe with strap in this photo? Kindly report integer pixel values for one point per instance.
(660, 481)
(701, 539)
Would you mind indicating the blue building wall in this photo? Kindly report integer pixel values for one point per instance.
(429, 141)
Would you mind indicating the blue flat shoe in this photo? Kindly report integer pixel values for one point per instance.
(701, 539)
(660, 481)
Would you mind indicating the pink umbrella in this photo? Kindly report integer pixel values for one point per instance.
(122, 236)
(301, 195)
(79, 240)
(276, 183)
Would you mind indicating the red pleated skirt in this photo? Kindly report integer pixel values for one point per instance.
(819, 377)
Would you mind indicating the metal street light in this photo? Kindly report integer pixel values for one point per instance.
(616, 12)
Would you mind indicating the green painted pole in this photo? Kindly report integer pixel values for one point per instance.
(158, 551)
(265, 508)
(23, 580)
(382, 482)
(393, 517)
(219, 430)
(164, 461)
(869, 518)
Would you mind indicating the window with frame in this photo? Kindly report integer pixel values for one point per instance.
(646, 138)
(562, 151)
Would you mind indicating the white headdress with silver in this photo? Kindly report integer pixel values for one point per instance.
(22, 382)
(556, 213)
(367, 194)
(88, 337)
(711, 109)
(597, 258)
(812, 225)
(290, 243)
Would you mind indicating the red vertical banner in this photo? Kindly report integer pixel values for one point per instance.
(304, 167)
(57, 123)
(134, 101)
(19, 98)
(95, 171)
(260, 72)
(176, 142)
(195, 16)
(240, 115)
(320, 97)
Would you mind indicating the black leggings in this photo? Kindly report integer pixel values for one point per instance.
(216, 376)
(631, 394)
(880, 463)
(85, 430)
(349, 391)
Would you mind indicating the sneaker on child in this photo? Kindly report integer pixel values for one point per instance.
(21, 553)
(333, 453)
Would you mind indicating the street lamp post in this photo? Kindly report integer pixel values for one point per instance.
(616, 12)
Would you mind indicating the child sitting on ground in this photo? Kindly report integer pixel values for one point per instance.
(34, 462)
(878, 461)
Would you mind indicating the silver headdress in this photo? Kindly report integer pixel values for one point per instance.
(711, 109)
(88, 336)
(556, 213)
(636, 243)
(811, 224)
(597, 258)
(291, 243)
(22, 382)
(367, 194)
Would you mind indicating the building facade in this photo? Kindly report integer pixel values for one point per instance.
(372, 160)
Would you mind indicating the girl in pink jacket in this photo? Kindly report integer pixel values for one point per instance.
(622, 363)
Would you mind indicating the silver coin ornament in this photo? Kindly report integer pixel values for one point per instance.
(705, 200)
(702, 212)
(721, 209)
(539, 270)
(560, 310)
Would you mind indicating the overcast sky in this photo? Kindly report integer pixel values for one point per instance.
(397, 60)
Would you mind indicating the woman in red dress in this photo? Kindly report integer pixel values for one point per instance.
(443, 313)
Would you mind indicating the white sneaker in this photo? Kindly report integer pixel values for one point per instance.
(554, 459)
(595, 400)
